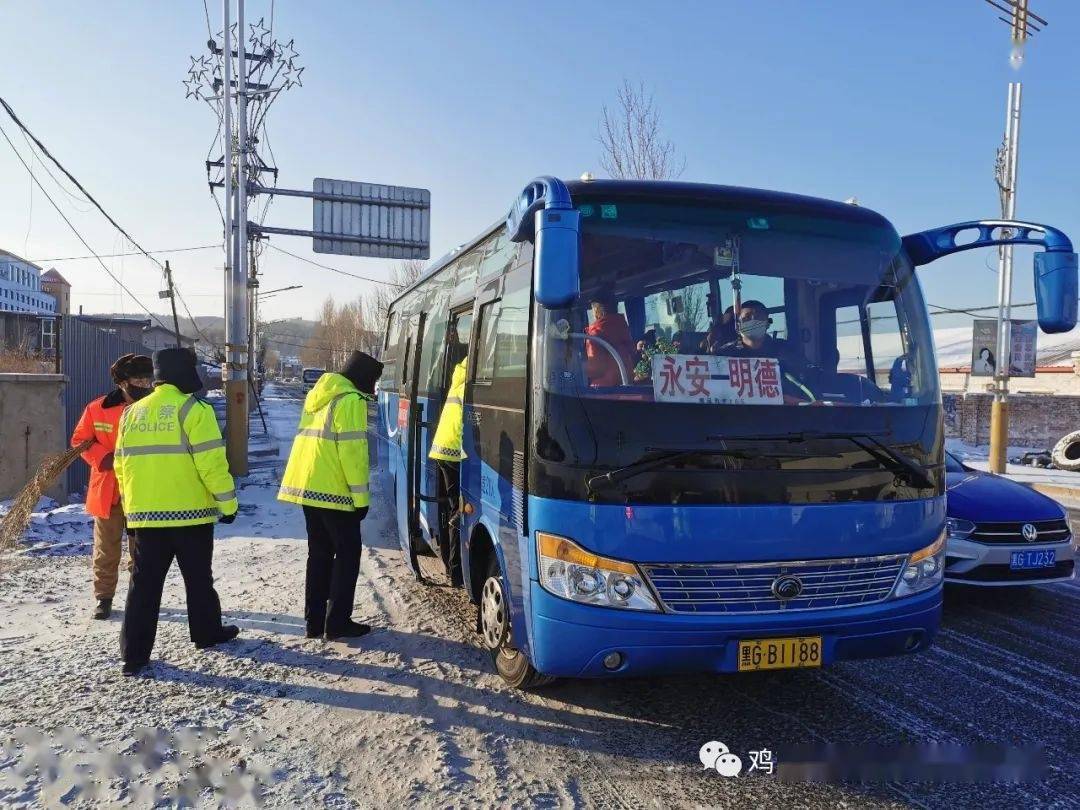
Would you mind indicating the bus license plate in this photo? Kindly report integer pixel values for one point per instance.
(1033, 558)
(780, 653)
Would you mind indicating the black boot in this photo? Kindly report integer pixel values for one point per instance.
(103, 609)
(228, 633)
(350, 630)
(136, 669)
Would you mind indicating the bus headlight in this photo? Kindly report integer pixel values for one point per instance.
(923, 570)
(569, 571)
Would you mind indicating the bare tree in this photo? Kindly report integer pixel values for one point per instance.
(631, 143)
(377, 304)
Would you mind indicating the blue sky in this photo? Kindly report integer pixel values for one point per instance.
(897, 102)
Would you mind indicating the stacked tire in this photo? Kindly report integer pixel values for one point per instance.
(1066, 453)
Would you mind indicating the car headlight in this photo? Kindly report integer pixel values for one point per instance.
(959, 529)
(923, 569)
(569, 571)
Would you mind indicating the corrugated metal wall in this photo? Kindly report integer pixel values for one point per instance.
(87, 351)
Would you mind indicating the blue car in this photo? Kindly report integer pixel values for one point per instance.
(1002, 532)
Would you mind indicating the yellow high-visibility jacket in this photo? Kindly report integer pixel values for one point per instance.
(328, 465)
(170, 462)
(446, 446)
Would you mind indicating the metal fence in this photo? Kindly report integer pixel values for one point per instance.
(86, 352)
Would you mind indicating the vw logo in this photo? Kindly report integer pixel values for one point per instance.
(1030, 533)
(786, 587)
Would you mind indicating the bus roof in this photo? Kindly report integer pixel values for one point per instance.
(743, 197)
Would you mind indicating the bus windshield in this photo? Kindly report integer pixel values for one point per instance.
(699, 324)
(684, 304)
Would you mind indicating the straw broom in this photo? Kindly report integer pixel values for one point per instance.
(16, 521)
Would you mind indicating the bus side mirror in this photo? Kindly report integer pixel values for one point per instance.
(557, 250)
(1056, 290)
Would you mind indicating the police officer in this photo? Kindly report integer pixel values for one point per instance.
(446, 449)
(327, 474)
(175, 484)
(99, 424)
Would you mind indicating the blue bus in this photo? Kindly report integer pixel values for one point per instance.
(702, 426)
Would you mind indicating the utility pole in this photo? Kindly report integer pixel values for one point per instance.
(235, 374)
(264, 67)
(253, 324)
(999, 409)
(172, 301)
(1021, 22)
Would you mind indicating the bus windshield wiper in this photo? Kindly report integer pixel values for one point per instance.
(894, 460)
(889, 458)
(620, 474)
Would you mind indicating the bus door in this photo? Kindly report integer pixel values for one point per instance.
(472, 466)
(436, 507)
(410, 416)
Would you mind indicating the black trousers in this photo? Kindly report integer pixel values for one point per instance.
(451, 549)
(154, 550)
(333, 565)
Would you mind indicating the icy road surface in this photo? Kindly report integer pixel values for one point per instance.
(413, 716)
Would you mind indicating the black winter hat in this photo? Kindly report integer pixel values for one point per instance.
(131, 365)
(177, 367)
(362, 370)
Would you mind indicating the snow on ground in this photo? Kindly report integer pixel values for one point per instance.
(978, 456)
(410, 715)
(413, 716)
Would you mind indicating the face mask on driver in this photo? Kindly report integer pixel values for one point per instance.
(753, 329)
(137, 392)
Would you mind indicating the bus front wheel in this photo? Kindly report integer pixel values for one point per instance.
(513, 666)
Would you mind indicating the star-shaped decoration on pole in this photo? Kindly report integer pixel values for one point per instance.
(191, 87)
(259, 34)
(292, 76)
(292, 54)
(197, 69)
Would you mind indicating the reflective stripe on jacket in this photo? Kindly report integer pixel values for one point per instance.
(446, 446)
(170, 462)
(99, 422)
(328, 464)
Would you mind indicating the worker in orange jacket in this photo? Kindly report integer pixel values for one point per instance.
(133, 375)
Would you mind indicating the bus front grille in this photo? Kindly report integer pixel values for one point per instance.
(749, 587)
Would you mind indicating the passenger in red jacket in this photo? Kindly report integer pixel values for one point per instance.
(132, 374)
(600, 363)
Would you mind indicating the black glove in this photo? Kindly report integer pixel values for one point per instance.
(361, 513)
(106, 462)
(227, 518)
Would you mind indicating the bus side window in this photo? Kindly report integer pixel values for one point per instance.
(388, 381)
(500, 255)
(467, 268)
(502, 349)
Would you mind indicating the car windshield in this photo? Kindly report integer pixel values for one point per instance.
(952, 464)
(715, 307)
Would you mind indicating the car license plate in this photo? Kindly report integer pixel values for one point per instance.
(1032, 558)
(780, 653)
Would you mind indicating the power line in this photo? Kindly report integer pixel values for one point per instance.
(130, 253)
(334, 269)
(44, 150)
(74, 230)
(78, 185)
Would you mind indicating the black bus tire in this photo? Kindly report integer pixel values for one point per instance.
(1066, 453)
(512, 665)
